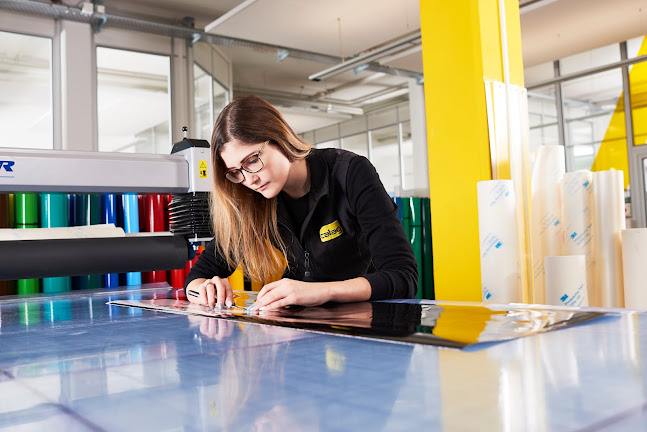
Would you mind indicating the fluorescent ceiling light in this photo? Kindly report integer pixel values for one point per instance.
(363, 59)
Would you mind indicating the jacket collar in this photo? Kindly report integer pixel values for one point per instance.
(319, 176)
(319, 187)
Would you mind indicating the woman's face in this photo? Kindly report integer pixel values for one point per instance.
(271, 179)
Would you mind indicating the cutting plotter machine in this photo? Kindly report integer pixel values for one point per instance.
(186, 173)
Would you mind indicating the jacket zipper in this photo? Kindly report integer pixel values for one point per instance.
(307, 263)
(306, 254)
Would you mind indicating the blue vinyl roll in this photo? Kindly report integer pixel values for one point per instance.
(131, 225)
(109, 215)
(54, 214)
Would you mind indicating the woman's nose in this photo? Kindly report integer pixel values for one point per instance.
(251, 179)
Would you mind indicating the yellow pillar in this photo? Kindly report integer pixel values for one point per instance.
(461, 47)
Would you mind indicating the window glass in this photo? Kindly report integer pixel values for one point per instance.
(133, 98)
(328, 133)
(356, 143)
(542, 118)
(383, 117)
(634, 45)
(220, 98)
(26, 91)
(593, 115)
(385, 157)
(407, 157)
(202, 103)
(589, 59)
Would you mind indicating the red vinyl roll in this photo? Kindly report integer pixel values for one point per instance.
(154, 212)
(177, 278)
(154, 222)
(167, 200)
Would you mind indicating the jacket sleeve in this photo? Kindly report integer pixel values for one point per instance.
(208, 265)
(377, 214)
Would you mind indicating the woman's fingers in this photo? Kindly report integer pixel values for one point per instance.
(220, 292)
(212, 292)
(210, 288)
(229, 293)
(267, 288)
(277, 303)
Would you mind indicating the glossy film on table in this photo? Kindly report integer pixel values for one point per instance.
(72, 362)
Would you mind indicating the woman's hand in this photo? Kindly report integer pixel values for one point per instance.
(291, 292)
(211, 292)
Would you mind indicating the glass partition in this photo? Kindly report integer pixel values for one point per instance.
(593, 116)
(385, 157)
(356, 143)
(133, 101)
(26, 91)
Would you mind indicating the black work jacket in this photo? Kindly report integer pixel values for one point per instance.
(352, 229)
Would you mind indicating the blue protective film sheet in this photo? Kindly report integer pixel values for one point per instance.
(449, 325)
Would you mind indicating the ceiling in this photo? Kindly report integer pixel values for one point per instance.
(338, 28)
(551, 29)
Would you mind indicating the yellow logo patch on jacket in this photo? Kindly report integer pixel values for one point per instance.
(330, 231)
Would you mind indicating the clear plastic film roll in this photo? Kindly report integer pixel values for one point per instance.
(546, 216)
(634, 259)
(500, 277)
(577, 215)
(566, 280)
(609, 217)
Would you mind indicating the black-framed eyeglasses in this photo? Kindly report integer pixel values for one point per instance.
(252, 164)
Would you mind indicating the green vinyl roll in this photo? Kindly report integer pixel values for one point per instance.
(26, 210)
(427, 252)
(54, 213)
(28, 286)
(406, 216)
(415, 238)
(26, 214)
(416, 245)
(416, 212)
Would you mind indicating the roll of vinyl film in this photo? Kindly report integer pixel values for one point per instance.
(566, 280)
(109, 216)
(131, 225)
(54, 213)
(26, 213)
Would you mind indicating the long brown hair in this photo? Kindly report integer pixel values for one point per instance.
(244, 222)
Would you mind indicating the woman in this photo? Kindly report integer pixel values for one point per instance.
(325, 211)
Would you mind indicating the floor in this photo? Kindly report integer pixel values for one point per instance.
(72, 362)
